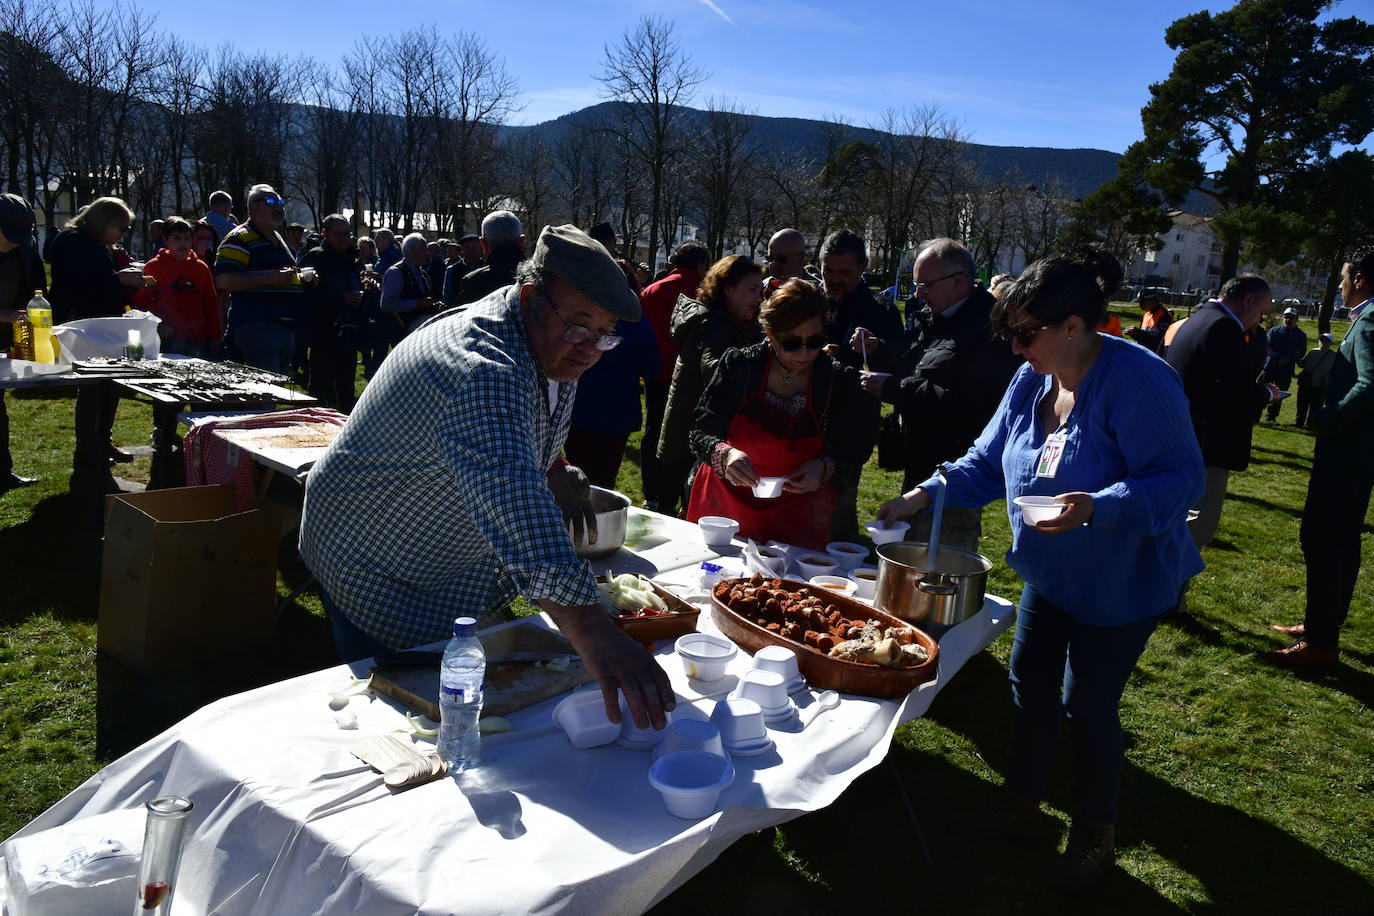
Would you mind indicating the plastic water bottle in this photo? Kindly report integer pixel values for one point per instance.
(460, 696)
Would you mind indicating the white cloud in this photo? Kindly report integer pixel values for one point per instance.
(717, 10)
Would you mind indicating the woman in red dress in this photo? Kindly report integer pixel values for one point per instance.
(780, 408)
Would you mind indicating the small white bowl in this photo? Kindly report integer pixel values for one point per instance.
(887, 532)
(689, 735)
(582, 716)
(769, 487)
(817, 564)
(741, 726)
(691, 781)
(704, 656)
(865, 579)
(766, 688)
(634, 737)
(774, 559)
(1038, 508)
(834, 583)
(847, 554)
(717, 530)
(782, 660)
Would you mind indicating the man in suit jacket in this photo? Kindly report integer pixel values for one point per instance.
(1215, 356)
(1342, 479)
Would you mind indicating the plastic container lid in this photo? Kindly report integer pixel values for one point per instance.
(465, 626)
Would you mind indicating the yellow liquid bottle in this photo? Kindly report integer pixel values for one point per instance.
(40, 329)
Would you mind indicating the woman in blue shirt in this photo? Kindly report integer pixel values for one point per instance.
(1100, 424)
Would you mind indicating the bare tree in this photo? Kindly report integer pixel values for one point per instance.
(481, 95)
(33, 95)
(653, 80)
(582, 168)
(323, 158)
(722, 158)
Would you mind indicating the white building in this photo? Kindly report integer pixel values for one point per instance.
(1190, 258)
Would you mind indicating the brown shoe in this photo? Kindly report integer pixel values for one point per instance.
(1009, 817)
(1303, 655)
(1297, 629)
(1088, 855)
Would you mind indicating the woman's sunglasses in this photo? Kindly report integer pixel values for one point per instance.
(793, 344)
(1024, 336)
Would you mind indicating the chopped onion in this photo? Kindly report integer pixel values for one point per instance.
(421, 726)
(493, 725)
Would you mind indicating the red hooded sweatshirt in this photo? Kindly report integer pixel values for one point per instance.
(184, 298)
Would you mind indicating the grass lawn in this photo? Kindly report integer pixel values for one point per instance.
(1247, 789)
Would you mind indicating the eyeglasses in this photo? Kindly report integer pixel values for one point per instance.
(1024, 336)
(576, 334)
(920, 285)
(793, 344)
(271, 201)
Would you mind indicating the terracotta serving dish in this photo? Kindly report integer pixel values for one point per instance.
(681, 621)
(821, 670)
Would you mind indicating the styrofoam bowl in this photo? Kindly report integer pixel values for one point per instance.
(782, 660)
(691, 781)
(582, 716)
(1038, 508)
(636, 738)
(769, 487)
(865, 579)
(887, 532)
(690, 735)
(847, 554)
(704, 656)
(766, 688)
(740, 722)
(817, 564)
(717, 530)
(834, 583)
(774, 559)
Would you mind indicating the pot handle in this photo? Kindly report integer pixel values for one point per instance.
(932, 588)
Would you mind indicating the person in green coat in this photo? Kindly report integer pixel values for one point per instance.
(1342, 478)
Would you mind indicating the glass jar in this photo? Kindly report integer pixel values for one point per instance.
(162, 843)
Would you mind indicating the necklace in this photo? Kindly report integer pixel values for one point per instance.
(786, 372)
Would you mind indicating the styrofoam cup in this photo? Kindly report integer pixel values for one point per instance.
(766, 688)
(781, 660)
(817, 564)
(740, 722)
(865, 579)
(1038, 508)
(774, 559)
(704, 656)
(689, 735)
(847, 554)
(717, 530)
(691, 781)
(582, 716)
(887, 532)
(769, 487)
(834, 583)
(634, 737)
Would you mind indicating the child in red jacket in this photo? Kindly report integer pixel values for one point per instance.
(184, 296)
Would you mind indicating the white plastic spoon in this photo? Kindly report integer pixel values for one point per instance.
(828, 699)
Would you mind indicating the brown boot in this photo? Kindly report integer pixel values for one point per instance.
(1088, 855)
(1009, 817)
(1303, 655)
(1296, 629)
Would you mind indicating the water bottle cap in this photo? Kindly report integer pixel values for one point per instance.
(465, 626)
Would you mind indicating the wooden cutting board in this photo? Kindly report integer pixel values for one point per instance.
(509, 686)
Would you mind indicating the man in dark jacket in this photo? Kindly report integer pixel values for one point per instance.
(503, 244)
(21, 272)
(1287, 345)
(334, 317)
(855, 314)
(1218, 364)
(469, 259)
(949, 378)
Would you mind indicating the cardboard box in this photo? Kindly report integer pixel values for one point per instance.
(185, 578)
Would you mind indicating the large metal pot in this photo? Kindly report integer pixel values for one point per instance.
(612, 512)
(933, 599)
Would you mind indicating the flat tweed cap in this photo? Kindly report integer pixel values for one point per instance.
(575, 257)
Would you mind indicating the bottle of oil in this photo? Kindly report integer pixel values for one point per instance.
(41, 344)
(22, 348)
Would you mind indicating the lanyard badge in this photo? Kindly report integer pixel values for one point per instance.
(1051, 453)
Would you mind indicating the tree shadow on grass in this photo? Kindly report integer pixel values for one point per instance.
(1297, 456)
(58, 547)
(860, 854)
(1266, 505)
(1223, 544)
(1356, 684)
(1301, 468)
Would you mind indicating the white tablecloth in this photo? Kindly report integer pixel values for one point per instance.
(287, 821)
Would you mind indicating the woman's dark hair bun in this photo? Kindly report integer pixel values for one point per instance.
(1102, 265)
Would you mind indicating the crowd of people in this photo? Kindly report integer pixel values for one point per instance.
(452, 485)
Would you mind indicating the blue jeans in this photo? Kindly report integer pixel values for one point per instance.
(1059, 664)
(350, 642)
(266, 345)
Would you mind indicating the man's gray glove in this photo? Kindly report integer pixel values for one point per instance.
(572, 491)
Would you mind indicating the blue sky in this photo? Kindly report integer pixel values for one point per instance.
(1049, 73)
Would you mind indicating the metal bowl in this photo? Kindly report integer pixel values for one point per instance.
(612, 512)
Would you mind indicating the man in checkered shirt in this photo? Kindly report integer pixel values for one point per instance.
(445, 495)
